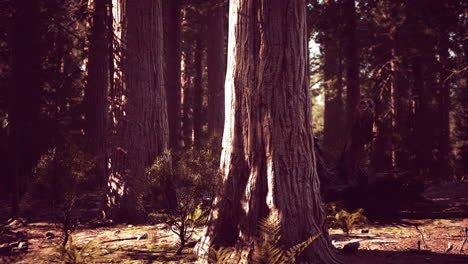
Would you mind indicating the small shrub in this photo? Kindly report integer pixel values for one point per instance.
(192, 170)
(183, 220)
(339, 218)
(73, 254)
(66, 221)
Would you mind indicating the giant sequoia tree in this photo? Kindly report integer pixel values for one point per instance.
(143, 130)
(268, 161)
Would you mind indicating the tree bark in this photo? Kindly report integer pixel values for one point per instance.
(144, 130)
(97, 91)
(172, 27)
(186, 79)
(268, 160)
(216, 63)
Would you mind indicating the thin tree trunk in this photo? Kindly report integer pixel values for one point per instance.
(400, 105)
(444, 108)
(268, 160)
(172, 26)
(351, 158)
(333, 112)
(352, 63)
(216, 63)
(198, 92)
(186, 80)
(97, 90)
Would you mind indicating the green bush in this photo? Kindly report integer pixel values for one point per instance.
(339, 218)
(73, 254)
(190, 172)
(183, 220)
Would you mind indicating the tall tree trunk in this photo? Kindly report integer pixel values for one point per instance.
(98, 87)
(186, 79)
(268, 160)
(424, 152)
(400, 105)
(333, 112)
(216, 63)
(145, 131)
(198, 91)
(443, 99)
(172, 25)
(24, 97)
(353, 150)
(352, 63)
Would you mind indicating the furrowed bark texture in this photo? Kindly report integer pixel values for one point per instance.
(268, 160)
(145, 126)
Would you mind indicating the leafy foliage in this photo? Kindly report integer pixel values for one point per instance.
(344, 220)
(193, 173)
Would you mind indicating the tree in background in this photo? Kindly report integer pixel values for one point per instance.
(98, 87)
(144, 131)
(172, 70)
(216, 64)
(23, 111)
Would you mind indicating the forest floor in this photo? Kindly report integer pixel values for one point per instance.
(439, 226)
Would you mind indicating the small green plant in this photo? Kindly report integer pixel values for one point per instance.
(222, 255)
(269, 250)
(340, 218)
(183, 220)
(73, 254)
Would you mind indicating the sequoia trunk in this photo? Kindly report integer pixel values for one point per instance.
(144, 131)
(268, 160)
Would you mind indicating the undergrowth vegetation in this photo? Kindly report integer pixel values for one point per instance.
(268, 248)
(71, 253)
(344, 220)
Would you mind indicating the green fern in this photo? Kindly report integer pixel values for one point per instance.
(269, 251)
(344, 220)
(221, 255)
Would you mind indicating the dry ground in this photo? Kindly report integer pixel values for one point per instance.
(395, 243)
